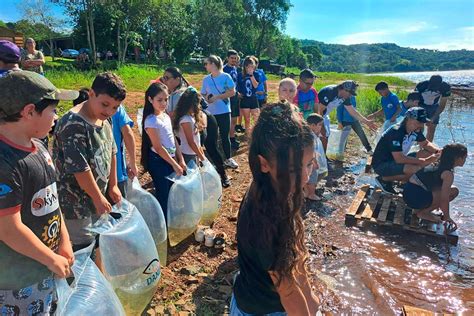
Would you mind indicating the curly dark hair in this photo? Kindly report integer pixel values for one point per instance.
(276, 221)
(190, 101)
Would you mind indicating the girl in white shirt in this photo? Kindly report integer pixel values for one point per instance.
(160, 155)
(188, 122)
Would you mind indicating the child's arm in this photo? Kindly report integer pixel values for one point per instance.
(291, 296)
(179, 156)
(189, 133)
(397, 113)
(448, 179)
(129, 141)
(375, 114)
(65, 246)
(154, 135)
(355, 114)
(87, 183)
(112, 189)
(313, 301)
(20, 238)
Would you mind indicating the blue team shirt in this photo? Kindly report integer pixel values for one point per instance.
(232, 71)
(261, 84)
(119, 120)
(403, 108)
(245, 86)
(343, 115)
(389, 105)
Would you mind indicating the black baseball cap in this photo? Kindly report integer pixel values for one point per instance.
(349, 85)
(418, 113)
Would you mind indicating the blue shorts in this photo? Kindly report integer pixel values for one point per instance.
(431, 110)
(416, 197)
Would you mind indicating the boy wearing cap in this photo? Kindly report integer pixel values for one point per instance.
(85, 156)
(390, 105)
(392, 160)
(434, 96)
(34, 242)
(306, 95)
(9, 57)
(332, 96)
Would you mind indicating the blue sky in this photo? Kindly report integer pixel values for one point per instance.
(443, 25)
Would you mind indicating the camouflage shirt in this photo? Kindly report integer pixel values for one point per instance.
(81, 146)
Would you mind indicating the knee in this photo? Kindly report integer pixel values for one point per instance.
(454, 193)
(411, 169)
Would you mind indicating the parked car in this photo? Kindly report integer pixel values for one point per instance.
(270, 66)
(70, 53)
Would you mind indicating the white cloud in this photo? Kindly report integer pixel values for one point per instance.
(362, 37)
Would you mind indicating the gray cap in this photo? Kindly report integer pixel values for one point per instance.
(20, 88)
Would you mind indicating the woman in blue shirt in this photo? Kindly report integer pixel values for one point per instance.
(247, 83)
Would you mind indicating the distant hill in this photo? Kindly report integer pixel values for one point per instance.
(388, 57)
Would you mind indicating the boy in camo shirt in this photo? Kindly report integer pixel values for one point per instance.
(84, 153)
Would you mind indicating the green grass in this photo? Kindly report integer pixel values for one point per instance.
(136, 77)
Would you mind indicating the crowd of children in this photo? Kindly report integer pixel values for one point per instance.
(47, 202)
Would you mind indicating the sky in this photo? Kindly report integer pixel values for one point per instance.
(442, 25)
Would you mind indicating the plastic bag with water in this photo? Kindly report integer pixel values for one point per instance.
(153, 215)
(90, 293)
(212, 193)
(184, 204)
(337, 142)
(321, 159)
(129, 257)
(139, 120)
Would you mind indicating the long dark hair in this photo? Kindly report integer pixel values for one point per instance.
(449, 154)
(247, 61)
(189, 100)
(176, 73)
(276, 221)
(153, 90)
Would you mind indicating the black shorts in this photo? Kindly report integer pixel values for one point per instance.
(249, 103)
(416, 197)
(234, 106)
(261, 102)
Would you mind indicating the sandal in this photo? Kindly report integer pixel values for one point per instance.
(220, 240)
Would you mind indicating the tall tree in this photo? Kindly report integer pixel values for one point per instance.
(40, 12)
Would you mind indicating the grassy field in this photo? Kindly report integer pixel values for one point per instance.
(137, 78)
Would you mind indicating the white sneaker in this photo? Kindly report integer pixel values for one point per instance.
(231, 163)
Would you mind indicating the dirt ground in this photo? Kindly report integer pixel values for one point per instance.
(198, 280)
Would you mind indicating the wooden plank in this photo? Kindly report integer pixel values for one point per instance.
(370, 207)
(384, 209)
(358, 200)
(399, 212)
(415, 311)
(414, 220)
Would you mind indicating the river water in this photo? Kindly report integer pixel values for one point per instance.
(375, 272)
(454, 77)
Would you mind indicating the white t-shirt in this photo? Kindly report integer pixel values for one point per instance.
(163, 124)
(185, 148)
(215, 86)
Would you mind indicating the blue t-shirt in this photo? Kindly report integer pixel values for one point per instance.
(232, 71)
(389, 105)
(403, 108)
(216, 86)
(245, 86)
(261, 84)
(343, 115)
(119, 120)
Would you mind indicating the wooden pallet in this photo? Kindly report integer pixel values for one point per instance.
(372, 206)
(415, 311)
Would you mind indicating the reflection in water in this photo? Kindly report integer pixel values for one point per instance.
(377, 272)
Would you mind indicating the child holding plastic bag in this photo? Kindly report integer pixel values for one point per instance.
(270, 230)
(34, 242)
(188, 121)
(160, 155)
(315, 122)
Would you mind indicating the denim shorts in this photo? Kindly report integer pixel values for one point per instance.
(235, 311)
(416, 197)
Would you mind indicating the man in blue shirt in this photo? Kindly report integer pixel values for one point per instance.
(390, 105)
(231, 68)
(262, 86)
(123, 135)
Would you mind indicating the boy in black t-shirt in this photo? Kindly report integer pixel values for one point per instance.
(434, 96)
(392, 160)
(34, 242)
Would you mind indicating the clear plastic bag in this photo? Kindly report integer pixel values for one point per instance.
(212, 193)
(90, 293)
(129, 257)
(321, 159)
(153, 215)
(337, 142)
(184, 204)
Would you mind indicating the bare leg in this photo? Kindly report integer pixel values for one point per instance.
(246, 115)
(310, 192)
(233, 122)
(431, 128)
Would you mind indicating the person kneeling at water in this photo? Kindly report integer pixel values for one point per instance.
(432, 188)
(270, 230)
(392, 160)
